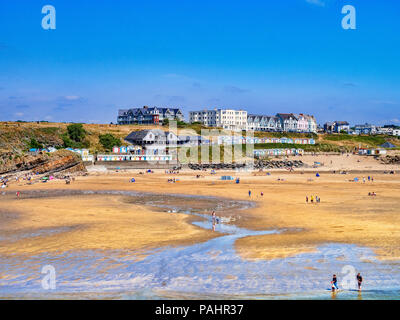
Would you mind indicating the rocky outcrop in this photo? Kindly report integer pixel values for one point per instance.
(274, 164)
(260, 164)
(62, 161)
(390, 159)
(216, 166)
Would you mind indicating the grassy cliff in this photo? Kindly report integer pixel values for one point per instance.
(17, 137)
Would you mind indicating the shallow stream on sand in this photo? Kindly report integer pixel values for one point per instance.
(205, 270)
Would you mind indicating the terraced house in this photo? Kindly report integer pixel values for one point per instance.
(263, 123)
(282, 122)
(312, 123)
(288, 122)
(148, 115)
(302, 123)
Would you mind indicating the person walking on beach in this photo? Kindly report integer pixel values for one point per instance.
(17, 194)
(249, 193)
(213, 217)
(334, 283)
(262, 194)
(306, 199)
(359, 281)
(312, 199)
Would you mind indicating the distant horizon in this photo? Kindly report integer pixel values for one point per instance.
(260, 56)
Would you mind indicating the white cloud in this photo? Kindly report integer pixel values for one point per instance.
(320, 3)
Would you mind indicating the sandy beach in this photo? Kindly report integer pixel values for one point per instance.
(346, 214)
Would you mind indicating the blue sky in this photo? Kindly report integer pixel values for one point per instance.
(264, 56)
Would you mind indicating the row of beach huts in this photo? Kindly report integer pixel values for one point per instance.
(278, 152)
(247, 140)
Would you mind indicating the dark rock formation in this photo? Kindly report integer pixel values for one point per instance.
(390, 159)
(275, 164)
(62, 161)
(259, 164)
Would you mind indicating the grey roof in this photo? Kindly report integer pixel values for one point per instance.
(253, 116)
(139, 135)
(144, 110)
(309, 116)
(122, 112)
(286, 115)
(342, 123)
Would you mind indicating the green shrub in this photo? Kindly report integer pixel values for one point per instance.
(108, 141)
(76, 132)
(75, 137)
(33, 144)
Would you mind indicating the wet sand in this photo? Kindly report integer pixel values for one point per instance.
(91, 222)
(345, 215)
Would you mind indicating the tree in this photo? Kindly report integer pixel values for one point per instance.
(76, 132)
(74, 137)
(109, 141)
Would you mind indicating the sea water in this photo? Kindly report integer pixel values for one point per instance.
(208, 270)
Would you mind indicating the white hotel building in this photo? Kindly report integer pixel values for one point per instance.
(235, 120)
